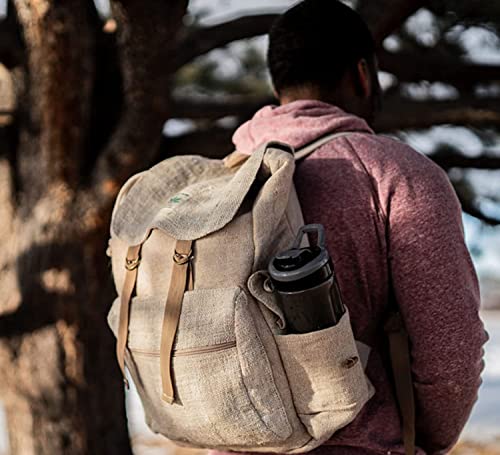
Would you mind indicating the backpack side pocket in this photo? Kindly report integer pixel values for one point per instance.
(326, 376)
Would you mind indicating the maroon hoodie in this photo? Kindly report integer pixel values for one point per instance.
(390, 214)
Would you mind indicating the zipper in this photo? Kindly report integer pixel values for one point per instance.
(190, 351)
(205, 349)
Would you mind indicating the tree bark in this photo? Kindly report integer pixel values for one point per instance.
(59, 379)
(147, 65)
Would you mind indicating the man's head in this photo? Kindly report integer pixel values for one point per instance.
(322, 49)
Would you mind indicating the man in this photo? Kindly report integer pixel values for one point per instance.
(393, 226)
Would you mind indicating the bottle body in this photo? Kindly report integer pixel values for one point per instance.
(312, 309)
(306, 285)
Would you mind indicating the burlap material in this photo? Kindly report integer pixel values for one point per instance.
(172, 191)
(239, 385)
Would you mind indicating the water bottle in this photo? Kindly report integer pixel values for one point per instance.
(306, 285)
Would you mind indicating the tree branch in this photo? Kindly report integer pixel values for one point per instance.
(465, 162)
(409, 67)
(400, 114)
(470, 12)
(385, 16)
(469, 208)
(203, 40)
(212, 143)
(242, 107)
(147, 42)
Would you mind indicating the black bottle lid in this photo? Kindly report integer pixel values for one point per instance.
(302, 268)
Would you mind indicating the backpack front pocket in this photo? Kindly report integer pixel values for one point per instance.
(226, 396)
(326, 377)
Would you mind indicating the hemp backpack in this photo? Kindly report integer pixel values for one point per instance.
(200, 337)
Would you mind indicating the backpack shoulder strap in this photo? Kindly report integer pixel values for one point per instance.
(401, 370)
(305, 151)
(236, 158)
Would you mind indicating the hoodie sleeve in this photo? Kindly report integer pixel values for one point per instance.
(437, 291)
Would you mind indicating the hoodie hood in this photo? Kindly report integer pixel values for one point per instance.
(297, 123)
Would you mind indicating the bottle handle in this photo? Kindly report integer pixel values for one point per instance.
(311, 228)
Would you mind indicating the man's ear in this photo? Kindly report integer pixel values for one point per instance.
(364, 78)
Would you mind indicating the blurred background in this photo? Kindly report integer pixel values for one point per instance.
(91, 93)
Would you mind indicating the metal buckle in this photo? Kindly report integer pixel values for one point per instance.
(132, 264)
(181, 259)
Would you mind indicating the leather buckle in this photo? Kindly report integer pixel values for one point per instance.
(181, 259)
(132, 264)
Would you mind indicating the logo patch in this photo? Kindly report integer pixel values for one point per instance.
(179, 198)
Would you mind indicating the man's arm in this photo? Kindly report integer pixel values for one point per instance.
(437, 291)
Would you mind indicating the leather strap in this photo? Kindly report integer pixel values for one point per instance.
(401, 368)
(180, 279)
(235, 159)
(132, 261)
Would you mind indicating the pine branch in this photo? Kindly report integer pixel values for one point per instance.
(385, 16)
(465, 162)
(239, 106)
(399, 113)
(469, 208)
(205, 39)
(212, 143)
(408, 67)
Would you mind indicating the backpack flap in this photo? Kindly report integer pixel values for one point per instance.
(189, 197)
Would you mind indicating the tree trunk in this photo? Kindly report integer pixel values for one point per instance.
(59, 380)
(57, 351)
(64, 393)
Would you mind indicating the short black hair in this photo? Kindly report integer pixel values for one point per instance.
(316, 42)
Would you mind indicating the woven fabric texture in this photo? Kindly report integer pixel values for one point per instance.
(240, 385)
